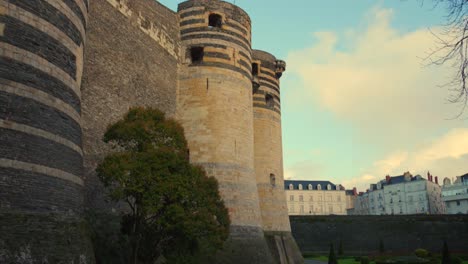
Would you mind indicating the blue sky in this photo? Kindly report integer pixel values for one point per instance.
(358, 101)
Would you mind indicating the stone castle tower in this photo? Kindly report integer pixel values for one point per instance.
(196, 64)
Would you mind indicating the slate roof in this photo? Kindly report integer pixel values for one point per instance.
(305, 185)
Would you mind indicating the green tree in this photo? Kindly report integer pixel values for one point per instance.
(331, 255)
(445, 254)
(174, 210)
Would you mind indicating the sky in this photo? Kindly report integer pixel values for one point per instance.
(359, 98)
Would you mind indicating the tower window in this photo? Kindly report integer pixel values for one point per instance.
(196, 54)
(272, 180)
(255, 69)
(270, 103)
(215, 20)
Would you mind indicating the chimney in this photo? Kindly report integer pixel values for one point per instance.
(436, 180)
(428, 176)
(354, 191)
(387, 178)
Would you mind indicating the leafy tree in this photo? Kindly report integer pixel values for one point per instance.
(331, 255)
(445, 254)
(174, 211)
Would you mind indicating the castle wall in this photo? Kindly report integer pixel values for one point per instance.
(268, 146)
(41, 184)
(215, 108)
(400, 234)
(269, 159)
(131, 59)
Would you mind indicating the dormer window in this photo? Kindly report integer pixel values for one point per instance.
(196, 54)
(328, 187)
(300, 186)
(319, 187)
(309, 187)
(215, 20)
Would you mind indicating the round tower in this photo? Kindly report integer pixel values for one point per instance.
(41, 185)
(215, 108)
(266, 72)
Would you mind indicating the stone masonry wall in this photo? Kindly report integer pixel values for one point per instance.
(131, 60)
(399, 234)
(41, 183)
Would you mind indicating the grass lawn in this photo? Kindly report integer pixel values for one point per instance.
(344, 260)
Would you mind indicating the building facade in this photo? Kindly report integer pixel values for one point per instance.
(404, 194)
(455, 195)
(314, 198)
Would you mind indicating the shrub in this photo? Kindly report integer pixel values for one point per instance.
(422, 253)
(455, 260)
(364, 260)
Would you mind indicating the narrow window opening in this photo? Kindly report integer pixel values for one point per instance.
(255, 70)
(270, 103)
(196, 54)
(215, 20)
(272, 180)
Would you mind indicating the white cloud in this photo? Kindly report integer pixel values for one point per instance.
(375, 79)
(446, 156)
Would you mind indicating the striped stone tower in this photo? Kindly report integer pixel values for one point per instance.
(41, 185)
(215, 108)
(267, 71)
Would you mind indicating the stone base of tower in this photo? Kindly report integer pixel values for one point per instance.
(43, 238)
(245, 245)
(283, 247)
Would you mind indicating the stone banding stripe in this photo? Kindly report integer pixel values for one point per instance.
(268, 72)
(32, 113)
(257, 105)
(223, 66)
(60, 5)
(245, 64)
(210, 36)
(263, 83)
(51, 172)
(41, 24)
(40, 133)
(268, 80)
(21, 56)
(29, 148)
(247, 57)
(192, 12)
(36, 192)
(218, 55)
(49, 13)
(237, 27)
(26, 37)
(20, 76)
(37, 95)
(76, 9)
(192, 21)
(233, 34)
